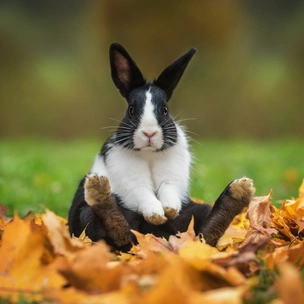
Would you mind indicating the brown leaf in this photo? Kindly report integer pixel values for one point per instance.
(259, 215)
(245, 260)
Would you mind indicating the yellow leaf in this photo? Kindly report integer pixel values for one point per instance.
(198, 254)
(231, 237)
(21, 267)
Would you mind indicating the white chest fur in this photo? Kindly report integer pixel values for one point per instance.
(147, 181)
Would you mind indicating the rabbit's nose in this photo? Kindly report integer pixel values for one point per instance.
(150, 134)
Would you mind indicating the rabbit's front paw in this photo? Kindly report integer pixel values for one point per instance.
(154, 214)
(171, 205)
(155, 219)
(171, 213)
(97, 189)
(242, 190)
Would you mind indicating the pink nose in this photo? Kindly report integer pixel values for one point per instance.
(149, 135)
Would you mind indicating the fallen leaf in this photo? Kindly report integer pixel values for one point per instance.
(259, 215)
(182, 238)
(231, 238)
(289, 285)
(89, 270)
(22, 271)
(225, 295)
(62, 243)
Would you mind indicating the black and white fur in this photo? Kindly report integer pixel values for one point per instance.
(146, 161)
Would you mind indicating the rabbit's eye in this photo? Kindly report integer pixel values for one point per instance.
(131, 110)
(165, 111)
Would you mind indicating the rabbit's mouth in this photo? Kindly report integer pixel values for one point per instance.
(148, 139)
(150, 145)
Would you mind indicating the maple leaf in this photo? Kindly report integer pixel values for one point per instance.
(21, 268)
(259, 215)
(59, 237)
(182, 238)
(289, 219)
(39, 257)
(89, 270)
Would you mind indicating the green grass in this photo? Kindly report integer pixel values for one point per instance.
(35, 174)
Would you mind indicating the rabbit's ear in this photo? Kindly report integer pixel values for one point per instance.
(170, 76)
(125, 73)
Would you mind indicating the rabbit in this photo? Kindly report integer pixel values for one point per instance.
(140, 178)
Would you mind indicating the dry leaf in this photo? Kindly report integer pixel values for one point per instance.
(225, 295)
(259, 215)
(39, 258)
(289, 286)
(90, 270)
(62, 243)
(22, 271)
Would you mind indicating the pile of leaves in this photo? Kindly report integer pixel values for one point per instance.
(260, 257)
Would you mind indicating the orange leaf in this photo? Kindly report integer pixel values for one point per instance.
(62, 243)
(21, 267)
(290, 286)
(90, 270)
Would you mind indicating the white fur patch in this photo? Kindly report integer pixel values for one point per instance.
(149, 135)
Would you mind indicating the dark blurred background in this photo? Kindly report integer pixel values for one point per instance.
(246, 80)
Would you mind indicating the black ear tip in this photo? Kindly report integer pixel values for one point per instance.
(115, 46)
(192, 51)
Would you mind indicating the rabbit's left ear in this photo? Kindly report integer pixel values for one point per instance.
(125, 73)
(171, 75)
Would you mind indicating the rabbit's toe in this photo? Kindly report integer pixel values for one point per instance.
(170, 213)
(242, 189)
(156, 219)
(97, 189)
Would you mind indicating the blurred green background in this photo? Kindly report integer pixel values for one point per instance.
(244, 83)
(246, 79)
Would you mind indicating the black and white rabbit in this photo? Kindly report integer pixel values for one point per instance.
(141, 174)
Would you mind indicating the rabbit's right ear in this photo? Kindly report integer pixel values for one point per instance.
(125, 73)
